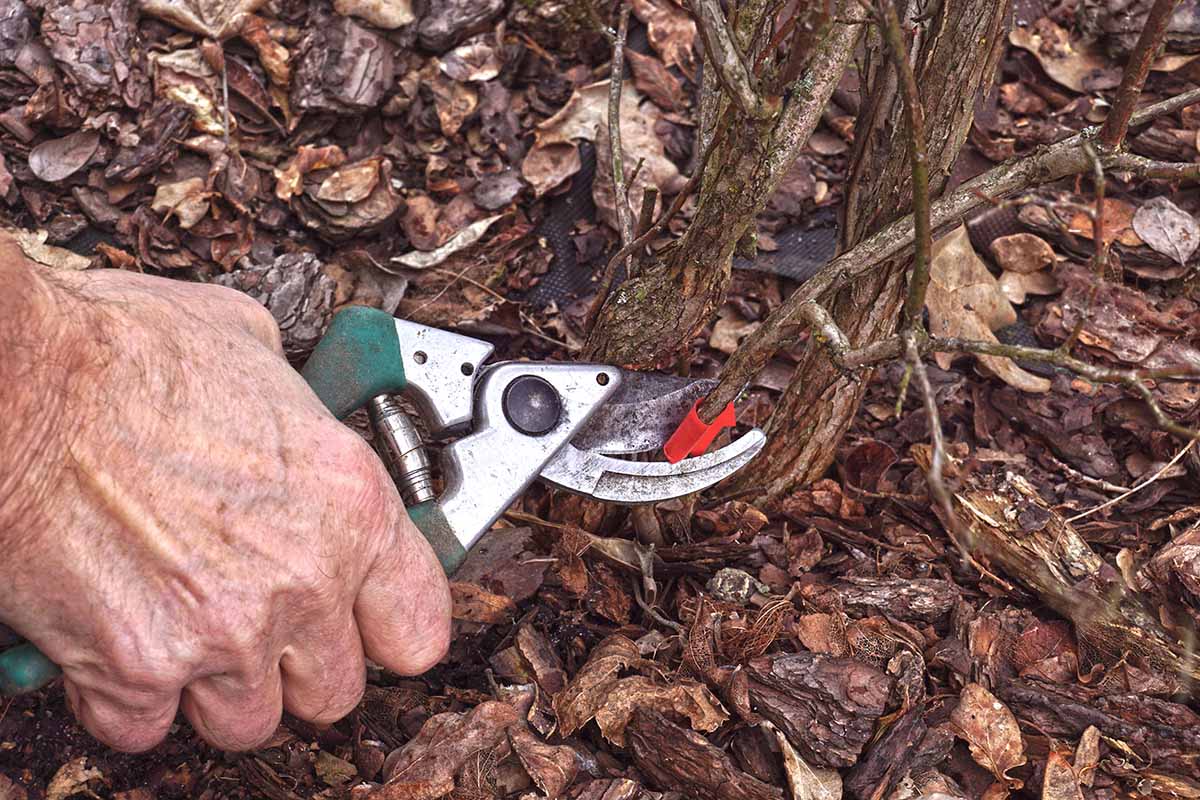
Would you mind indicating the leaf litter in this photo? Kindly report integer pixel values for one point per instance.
(829, 645)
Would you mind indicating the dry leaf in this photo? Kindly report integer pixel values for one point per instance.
(990, 730)
(730, 329)
(1076, 67)
(424, 768)
(72, 778)
(454, 102)
(475, 60)
(671, 31)
(333, 770)
(386, 14)
(351, 184)
(1118, 223)
(187, 200)
(1022, 252)
(33, 246)
(639, 144)
(289, 181)
(1087, 755)
(584, 695)
(656, 81)
(806, 782)
(554, 157)
(217, 19)
(552, 767)
(58, 159)
(965, 300)
(473, 603)
(1017, 285)
(466, 237)
(548, 165)
(686, 698)
(1166, 227)
(1060, 782)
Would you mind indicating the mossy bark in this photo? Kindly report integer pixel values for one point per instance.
(655, 315)
(955, 64)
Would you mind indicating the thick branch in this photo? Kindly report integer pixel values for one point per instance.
(1052, 163)
(1112, 135)
(725, 58)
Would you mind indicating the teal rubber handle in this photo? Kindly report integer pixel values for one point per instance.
(23, 669)
(357, 359)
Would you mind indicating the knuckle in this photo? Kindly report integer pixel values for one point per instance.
(344, 698)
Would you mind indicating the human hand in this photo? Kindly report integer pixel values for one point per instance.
(185, 526)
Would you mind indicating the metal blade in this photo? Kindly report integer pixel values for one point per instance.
(619, 481)
(642, 414)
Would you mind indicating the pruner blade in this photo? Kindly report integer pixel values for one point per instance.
(619, 481)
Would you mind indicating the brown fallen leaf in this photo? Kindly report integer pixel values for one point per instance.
(454, 100)
(1072, 64)
(686, 698)
(388, 14)
(1087, 755)
(806, 782)
(1060, 781)
(965, 300)
(552, 767)
(473, 603)
(475, 60)
(218, 19)
(671, 31)
(425, 767)
(186, 200)
(1165, 227)
(32, 244)
(1118, 223)
(73, 778)
(350, 184)
(1018, 285)
(990, 731)
(587, 692)
(656, 81)
(289, 181)
(461, 240)
(1022, 252)
(58, 159)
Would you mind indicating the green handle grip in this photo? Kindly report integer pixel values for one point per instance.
(358, 358)
(23, 669)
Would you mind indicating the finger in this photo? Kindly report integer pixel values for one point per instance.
(325, 674)
(232, 713)
(131, 727)
(403, 606)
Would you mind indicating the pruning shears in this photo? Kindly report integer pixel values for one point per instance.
(582, 427)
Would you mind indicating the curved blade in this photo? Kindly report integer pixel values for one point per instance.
(642, 414)
(619, 481)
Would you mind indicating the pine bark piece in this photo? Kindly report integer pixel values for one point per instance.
(827, 706)
(921, 600)
(673, 757)
(298, 293)
(1016, 532)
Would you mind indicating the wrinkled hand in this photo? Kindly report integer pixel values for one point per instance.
(192, 529)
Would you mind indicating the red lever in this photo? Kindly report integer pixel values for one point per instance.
(693, 436)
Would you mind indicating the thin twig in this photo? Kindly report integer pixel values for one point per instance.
(1133, 78)
(725, 58)
(914, 115)
(959, 535)
(1052, 163)
(1138, 487)
(624, 218)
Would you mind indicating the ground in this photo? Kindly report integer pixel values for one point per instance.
(836, 642)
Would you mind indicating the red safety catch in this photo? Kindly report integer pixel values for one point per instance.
(693, 436)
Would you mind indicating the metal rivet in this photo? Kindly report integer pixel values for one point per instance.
(468, 369)
(420, 357)
(602, 379)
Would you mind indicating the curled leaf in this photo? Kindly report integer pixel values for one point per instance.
(990, 731)
(58, 159)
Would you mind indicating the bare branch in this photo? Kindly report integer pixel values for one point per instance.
(725, 58)
(1052, 163)
(1116, 125)
(624, 222)
(914, 113)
